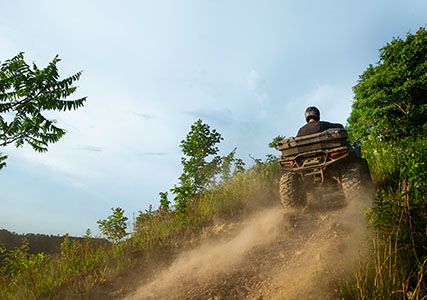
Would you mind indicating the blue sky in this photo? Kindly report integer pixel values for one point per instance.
(152, 68)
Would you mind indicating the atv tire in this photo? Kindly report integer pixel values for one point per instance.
(290, 191)
(352, 181)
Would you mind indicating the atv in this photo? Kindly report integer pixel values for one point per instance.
(324, 159)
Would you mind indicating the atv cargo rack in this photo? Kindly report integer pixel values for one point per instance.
(325, 147)
(331, 138)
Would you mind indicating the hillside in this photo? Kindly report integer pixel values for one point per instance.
(269, 255)
(232, 242)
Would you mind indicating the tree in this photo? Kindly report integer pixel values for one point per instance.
(164, 202)
(390, 99)
(114, 227)
(239, 166)
(25, 93)
(88, 233)
(198, 171)
(228, 162)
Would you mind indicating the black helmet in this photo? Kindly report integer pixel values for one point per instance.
(312, 112)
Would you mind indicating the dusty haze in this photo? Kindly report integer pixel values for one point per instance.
(272, 254)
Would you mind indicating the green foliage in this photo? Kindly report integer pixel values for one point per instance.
(164, 202)
(231, 165)
(24, 275)
(226, 165)
(391, 97)
(68, 246)
(239, 166)
(19, 261)
(88, 233)
(275, 142)
(198, 171)
(114, 227)
(401, 209)
(25, 93)
(143, 220)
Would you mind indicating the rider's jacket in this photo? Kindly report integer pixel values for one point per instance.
(316, 127)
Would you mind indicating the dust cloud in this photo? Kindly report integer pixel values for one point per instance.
(272, 255)
(212, 257)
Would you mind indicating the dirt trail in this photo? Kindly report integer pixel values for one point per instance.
(271, 255)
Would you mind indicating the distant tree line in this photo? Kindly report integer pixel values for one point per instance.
(37, 243)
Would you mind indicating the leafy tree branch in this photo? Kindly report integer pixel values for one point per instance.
(26, 92)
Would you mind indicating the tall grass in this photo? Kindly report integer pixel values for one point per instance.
(398, 265)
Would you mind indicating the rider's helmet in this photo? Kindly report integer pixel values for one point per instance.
(312, 112)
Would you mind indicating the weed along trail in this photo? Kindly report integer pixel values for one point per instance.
(270, 255)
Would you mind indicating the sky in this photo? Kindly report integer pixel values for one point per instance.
(152, 68)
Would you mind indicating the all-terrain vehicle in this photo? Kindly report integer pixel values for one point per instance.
(324, 159)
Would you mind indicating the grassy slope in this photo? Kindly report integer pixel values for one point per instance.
(398, 265)
(396, 268)
(81, 266)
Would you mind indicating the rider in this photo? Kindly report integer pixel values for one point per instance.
(314, 125)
